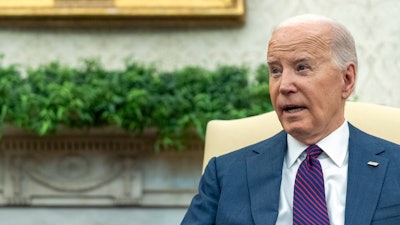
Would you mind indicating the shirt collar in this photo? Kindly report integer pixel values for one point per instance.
(335, 146)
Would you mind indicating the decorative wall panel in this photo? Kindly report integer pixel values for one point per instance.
(94, 169)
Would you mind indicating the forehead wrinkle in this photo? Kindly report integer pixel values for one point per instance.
(313, 44)
(295, 59)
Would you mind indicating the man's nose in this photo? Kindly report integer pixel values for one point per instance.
(287, 84)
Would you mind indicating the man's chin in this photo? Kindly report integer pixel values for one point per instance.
(295, 129)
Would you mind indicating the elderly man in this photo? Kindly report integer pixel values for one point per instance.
(320, 169)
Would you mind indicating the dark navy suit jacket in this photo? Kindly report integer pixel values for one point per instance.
(242, 187)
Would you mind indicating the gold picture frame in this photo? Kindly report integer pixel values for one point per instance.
(121, 13)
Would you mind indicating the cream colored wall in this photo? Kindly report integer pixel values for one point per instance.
(374, 24)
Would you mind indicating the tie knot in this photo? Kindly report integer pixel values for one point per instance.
(313, 151)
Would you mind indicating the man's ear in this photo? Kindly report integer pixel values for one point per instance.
(349, 80)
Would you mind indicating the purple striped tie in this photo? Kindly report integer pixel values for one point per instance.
(309, 204)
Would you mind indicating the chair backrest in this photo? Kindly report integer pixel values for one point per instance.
(223, 136)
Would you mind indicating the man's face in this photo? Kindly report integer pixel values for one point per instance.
(308, 90)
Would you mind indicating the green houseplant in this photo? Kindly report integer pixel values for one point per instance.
(134, 98)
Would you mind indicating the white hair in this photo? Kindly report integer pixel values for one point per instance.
(343, 45)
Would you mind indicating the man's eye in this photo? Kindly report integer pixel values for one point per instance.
(301, 67)
(275, 70)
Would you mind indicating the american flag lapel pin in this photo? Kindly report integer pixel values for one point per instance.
(372, 163)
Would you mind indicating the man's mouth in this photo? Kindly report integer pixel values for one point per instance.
(292, 108)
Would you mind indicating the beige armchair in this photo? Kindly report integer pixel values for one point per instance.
(223, 136)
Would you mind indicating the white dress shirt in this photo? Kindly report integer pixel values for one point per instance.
(334, 162)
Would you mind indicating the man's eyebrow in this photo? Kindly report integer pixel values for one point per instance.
(302, 59)
(272, 61)
(295, 61)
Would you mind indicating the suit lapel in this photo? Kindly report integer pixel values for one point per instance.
(364, 181)
(264, 174)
